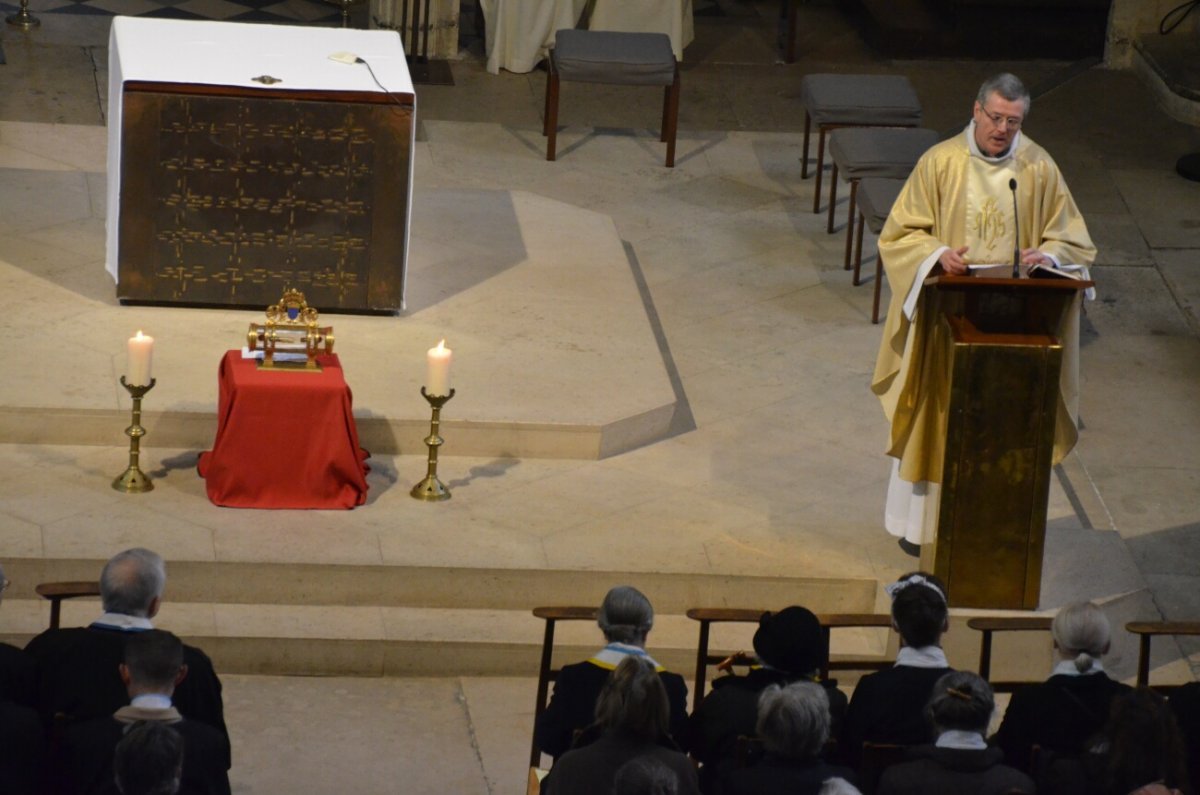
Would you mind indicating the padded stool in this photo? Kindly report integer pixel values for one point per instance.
(872, 152)
(834, 101)
(876, 195)
(615, 58)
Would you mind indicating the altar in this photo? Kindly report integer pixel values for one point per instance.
(244, 159)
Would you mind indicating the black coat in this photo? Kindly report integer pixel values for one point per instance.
(86, 757)
(888, 707)
(77, 676)
(953, 771)
(775, 775)
(573, 706)
(17, 677)
(1060, 715)
(22, 749)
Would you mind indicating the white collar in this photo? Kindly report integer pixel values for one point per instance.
(957, 738)
(924, 657)
(1067, 668)
(151, 701)
(977, 152)
(122, 622)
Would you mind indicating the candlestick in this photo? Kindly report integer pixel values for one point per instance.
(431, 488)
(141, 354)
(133, 480)
(439, 358)
(23, 19)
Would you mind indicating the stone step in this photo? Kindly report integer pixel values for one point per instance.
(223, 582)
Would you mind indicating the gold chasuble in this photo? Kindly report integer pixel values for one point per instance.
(955, 197)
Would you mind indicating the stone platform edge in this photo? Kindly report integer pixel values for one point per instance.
(382, 435)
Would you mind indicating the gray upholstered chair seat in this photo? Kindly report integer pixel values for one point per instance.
(595, 56)
(861, 152)
(860, 100)
(876, 195)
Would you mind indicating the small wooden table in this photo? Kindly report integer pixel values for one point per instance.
(284, 439)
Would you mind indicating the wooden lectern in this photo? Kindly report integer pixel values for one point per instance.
(1000, 341)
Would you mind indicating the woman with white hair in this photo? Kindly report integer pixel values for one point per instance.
(793, 725)
(625, 618)
(1063, 713)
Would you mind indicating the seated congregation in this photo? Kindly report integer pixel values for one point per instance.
(114, 707)
(918, 726)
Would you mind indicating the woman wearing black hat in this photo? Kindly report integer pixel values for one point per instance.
(789, 647)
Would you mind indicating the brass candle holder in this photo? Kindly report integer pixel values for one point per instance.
(133, 480)
(431, 488)
(23, 19)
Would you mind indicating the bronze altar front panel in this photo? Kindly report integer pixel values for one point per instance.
(228, 198)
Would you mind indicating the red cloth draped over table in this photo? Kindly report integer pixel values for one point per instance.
(284, 439)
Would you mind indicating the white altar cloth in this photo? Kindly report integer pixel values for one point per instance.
(230, 54)
(672, 17)
(519, 33)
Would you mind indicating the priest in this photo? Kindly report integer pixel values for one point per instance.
(979, 198)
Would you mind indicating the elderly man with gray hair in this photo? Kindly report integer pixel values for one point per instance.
(625, 618)
(78, 668)
(793, 725)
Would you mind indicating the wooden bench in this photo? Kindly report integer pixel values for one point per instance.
(988, 625)
(56, 592)
(707, 616)
(1146, 630)
(546, 672)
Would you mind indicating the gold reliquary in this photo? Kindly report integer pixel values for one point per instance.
(291, 338)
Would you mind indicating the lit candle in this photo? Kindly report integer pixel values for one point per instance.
(438, 382)
(141, 350)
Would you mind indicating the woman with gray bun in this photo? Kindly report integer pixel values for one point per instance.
(1062, 714)
(960, 760)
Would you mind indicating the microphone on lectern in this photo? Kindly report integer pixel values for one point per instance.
(1016, 272)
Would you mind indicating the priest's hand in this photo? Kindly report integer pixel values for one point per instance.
(952, 261)
(1031, 256)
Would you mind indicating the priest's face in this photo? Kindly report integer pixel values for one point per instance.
(997, 122)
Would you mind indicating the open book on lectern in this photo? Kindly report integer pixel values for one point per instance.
(1038, 271)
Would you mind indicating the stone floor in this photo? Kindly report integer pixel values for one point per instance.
(770, 348)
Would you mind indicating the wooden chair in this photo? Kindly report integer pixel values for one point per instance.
(546, 673)
(834, 101)
(861, 152)
(987, 625)
(707, 616)
(56, 592)
(614, 58)
(876, 195)
(1146, 630)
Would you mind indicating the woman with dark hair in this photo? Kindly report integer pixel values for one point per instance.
(793, 724)
(889, 706)
(1140, 752)
(1064, 713)
(631, 722)
(625, 618)
(960, 760)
